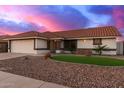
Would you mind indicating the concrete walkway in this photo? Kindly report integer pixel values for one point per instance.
(4, 56)
(8, 80)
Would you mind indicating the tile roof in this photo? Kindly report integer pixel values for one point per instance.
(28, 34)
(90, 32)
(35, 34)
(51, 35)
(4, 36)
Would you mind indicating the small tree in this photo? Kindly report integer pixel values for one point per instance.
(99, 49)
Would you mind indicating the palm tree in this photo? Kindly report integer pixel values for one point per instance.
(99, 49)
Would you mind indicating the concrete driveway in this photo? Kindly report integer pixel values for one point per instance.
(8, 80)
(4, 56)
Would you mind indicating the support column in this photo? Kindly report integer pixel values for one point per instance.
(9, 46)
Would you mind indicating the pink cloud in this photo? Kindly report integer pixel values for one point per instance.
(118, 15)
(8, 32)
(46, 21)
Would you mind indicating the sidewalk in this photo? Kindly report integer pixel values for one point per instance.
(8, 80)
(4, 56)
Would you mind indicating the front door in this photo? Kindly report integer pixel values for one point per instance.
(55, 45)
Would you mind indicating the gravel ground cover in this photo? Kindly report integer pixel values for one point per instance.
(68, 74)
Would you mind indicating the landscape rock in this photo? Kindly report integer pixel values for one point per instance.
(66, 73)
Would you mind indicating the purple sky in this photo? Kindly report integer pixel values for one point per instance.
(16, 19)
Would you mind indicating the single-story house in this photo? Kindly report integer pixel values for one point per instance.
(76, 40)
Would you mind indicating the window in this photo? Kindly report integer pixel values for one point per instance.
(97, 41)
(70, 45)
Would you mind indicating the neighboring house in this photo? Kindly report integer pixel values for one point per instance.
(3, 43)
(120, 46)
(76, 40)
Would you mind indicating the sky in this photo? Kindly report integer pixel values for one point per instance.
(15, 19)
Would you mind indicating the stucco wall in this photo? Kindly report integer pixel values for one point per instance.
(111, 43)
(106, 52)
(22, 46)
(85, 43)
(88, 44)
(109, 52)
(41, 43)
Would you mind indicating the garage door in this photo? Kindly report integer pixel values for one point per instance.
(22, 46)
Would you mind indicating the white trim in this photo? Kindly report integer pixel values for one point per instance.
(24, 38)
(59, 38)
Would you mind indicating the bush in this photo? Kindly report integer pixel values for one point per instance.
(100, 48)
(47, 55)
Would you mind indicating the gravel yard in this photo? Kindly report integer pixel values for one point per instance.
(68, 74)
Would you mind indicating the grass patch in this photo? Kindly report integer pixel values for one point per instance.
(104, 61)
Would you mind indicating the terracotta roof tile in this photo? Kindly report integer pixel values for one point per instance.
(90, 32)
(28, 34)
(50, 35)
(4, 36)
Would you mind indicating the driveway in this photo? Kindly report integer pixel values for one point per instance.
(8, 80)
(4, 56)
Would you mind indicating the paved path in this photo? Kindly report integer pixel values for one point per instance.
(8, 80)
(4, 56)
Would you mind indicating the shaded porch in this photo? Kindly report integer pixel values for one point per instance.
(61, 46)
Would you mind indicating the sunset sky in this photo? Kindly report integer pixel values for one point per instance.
(16, 19)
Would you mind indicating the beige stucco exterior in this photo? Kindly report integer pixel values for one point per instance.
(111, 43)
(40, 43)
(40, 47)
(88, 44)
(85, 43)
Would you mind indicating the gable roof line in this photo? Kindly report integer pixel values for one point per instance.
(83, 29)
(89, 32)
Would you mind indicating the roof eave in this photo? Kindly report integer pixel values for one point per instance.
(55, 38)
(92, 37)
(24, 38)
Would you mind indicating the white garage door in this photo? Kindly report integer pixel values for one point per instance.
(22, 46)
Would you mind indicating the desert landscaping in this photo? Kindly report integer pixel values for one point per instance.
(65, 73)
